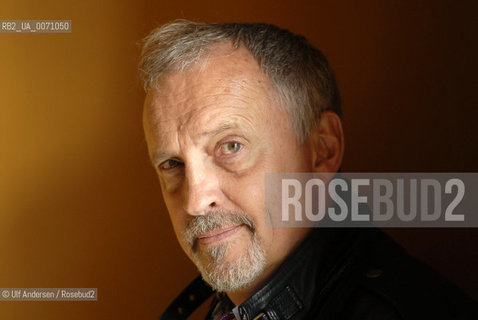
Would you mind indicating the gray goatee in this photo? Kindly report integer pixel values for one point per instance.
(220, 274)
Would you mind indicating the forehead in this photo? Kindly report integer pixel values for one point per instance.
(227, 83)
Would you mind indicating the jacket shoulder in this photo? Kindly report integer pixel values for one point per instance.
(380, 281)
(389, 281)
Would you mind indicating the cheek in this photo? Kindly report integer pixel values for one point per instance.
(178, 219)
(248, 195)
(179, 227)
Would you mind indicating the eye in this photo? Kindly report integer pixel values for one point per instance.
(231, 147)
(169, 164)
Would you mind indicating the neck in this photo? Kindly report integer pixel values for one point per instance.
(238, 297)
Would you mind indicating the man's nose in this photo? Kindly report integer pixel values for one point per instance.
(201, 191)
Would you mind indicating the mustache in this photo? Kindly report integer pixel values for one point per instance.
(213, 220)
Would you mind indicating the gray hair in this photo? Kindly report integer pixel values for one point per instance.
(300, 73)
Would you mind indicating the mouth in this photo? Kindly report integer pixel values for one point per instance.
(217, 235)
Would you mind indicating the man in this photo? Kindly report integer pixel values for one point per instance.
(227, 103)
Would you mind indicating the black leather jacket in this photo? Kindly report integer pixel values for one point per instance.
(349, 274)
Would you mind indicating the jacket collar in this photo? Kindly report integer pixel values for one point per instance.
(305, 275)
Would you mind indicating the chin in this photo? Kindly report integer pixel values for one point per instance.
(226, 271)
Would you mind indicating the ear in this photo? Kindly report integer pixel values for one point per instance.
(327, 143)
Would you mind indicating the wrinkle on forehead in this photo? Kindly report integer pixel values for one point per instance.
(186, 136)
(202, 124)
(189, 97)
(227, 84)
(194, 116)
(227, 67)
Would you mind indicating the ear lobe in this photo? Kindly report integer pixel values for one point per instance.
(327, 143)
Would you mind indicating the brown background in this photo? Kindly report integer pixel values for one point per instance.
(79, 202)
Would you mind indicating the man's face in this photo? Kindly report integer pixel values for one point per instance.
(213, 131)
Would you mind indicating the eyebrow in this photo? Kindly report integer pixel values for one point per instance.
(223, 127)
(158, 158)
